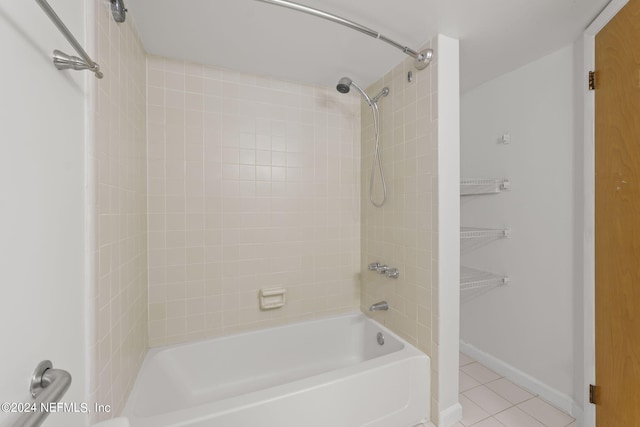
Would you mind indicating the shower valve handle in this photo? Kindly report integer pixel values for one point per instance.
(393, 273)
(383, 269)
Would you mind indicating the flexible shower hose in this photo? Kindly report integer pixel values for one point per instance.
(377, 161)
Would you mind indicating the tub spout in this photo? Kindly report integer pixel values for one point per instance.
(382, 305)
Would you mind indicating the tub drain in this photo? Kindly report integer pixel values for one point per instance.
(380, 338)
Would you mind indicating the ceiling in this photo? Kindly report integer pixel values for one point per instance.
(496, 36)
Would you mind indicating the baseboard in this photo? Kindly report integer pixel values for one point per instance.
(450, 416)
(577, 413)
(524, 380)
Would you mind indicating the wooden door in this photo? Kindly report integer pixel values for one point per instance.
(617, 220)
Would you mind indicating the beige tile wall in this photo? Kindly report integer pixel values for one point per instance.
(253, 183)
(402, 233)
(117, 155)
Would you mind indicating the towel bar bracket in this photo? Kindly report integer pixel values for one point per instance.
(37, 378)
(63, 61)
(47, 387)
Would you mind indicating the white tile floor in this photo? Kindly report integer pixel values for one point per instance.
(488, 400)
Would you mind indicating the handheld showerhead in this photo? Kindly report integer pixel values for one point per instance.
(344, 85)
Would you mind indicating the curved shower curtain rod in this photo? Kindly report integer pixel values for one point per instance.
(422, 58)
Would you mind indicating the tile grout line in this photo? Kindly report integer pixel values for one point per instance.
(512, 405)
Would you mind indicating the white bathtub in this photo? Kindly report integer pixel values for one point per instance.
(323, 373)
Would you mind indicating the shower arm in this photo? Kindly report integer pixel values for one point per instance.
(422, 58)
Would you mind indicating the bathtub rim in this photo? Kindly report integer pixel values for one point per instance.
(202, 411)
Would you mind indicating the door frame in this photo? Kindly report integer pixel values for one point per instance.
(588, 257)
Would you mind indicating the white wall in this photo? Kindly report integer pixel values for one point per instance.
(580, 341)
(41, 205)
(528, 326)
(446, 318)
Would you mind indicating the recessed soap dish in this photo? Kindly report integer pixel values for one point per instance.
(272, 298)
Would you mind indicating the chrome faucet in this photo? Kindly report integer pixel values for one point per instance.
(390, 272)
(382, 305)
(382, 269)
(374, 266)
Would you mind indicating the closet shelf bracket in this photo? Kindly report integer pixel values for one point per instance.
(470, 187)
(484, 233)
(471, 278)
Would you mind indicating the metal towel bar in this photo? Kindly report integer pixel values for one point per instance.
(48, 385)
(63, 61)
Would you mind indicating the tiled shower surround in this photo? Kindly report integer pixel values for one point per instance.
(403, 233)
(253, 183)
(118, 336)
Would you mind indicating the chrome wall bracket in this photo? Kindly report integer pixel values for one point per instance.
(47, 386)
(118, 11)
(36, 386)
(423, 58)
(62, 61)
